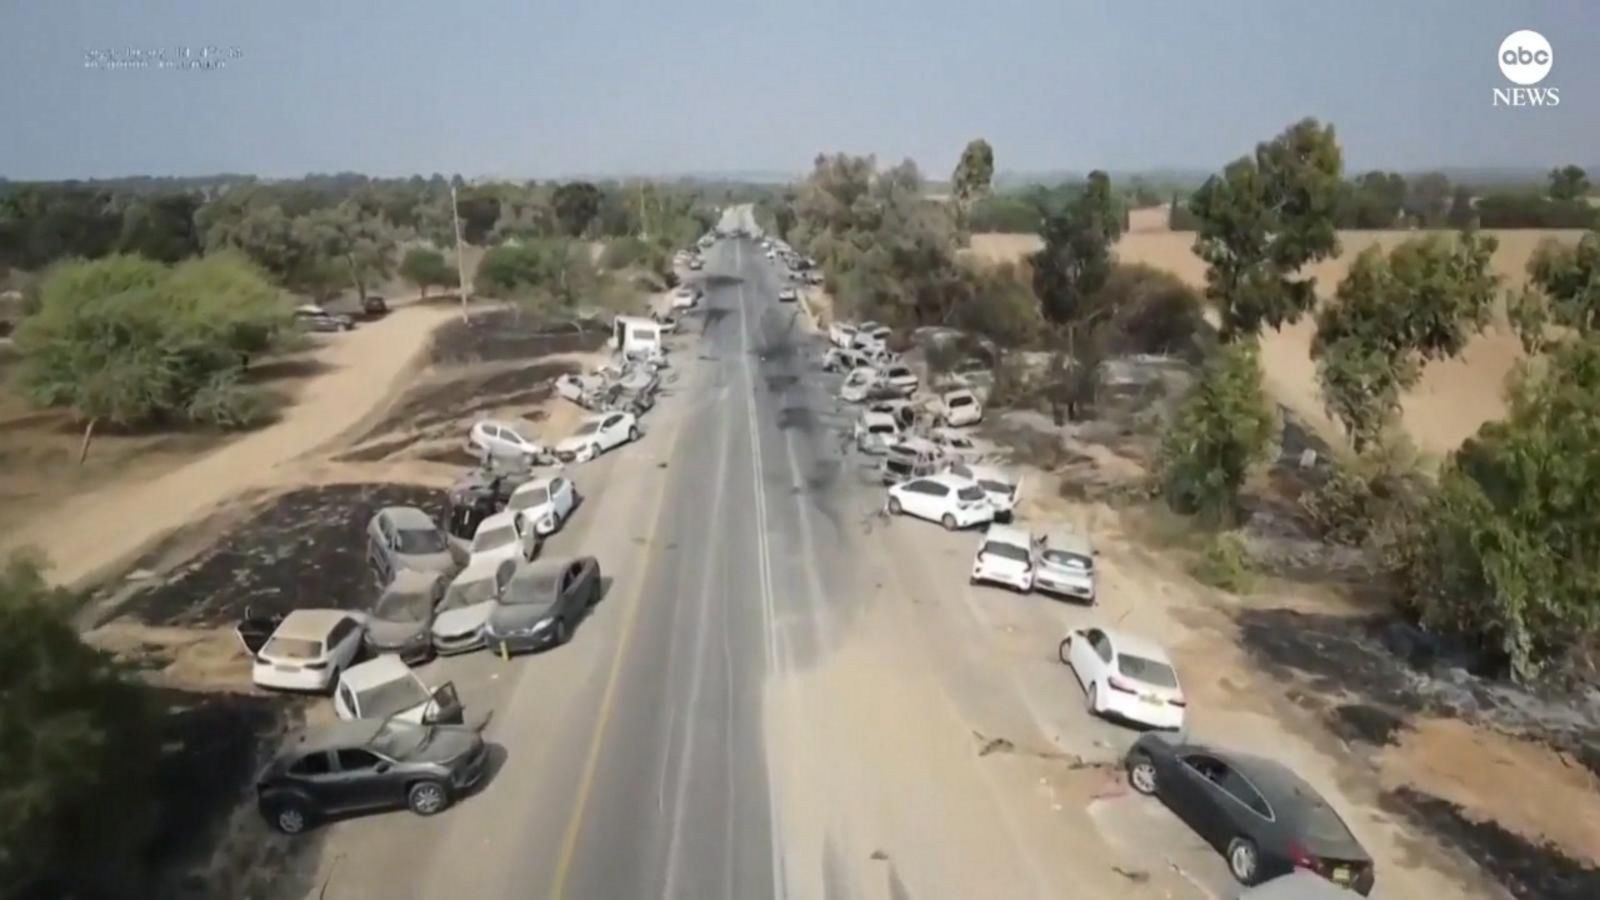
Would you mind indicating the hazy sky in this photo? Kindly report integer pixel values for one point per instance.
(536, 89)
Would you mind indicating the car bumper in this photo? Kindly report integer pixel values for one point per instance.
(471, 775)
(449, 646)
(268, 675)
(974, 516)
(411, 653)
(1157, 714)
(519, 643)
(1022, 581)
(1063, 588)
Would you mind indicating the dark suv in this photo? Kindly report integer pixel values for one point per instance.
(366, 765)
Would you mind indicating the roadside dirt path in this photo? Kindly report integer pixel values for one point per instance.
(111, 525)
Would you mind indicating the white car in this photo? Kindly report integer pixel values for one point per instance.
(1064, 565)
(840, 359)
(901, 379)
(1002, 488)
(597, 434)
(685, 297)
(874, 432)
(871, 335)
(505, 535)
(788, 295)
(1125, 677)
(841, 334)
(904, 413)
(308, 650)
(384, 687)
(772, 254)
(959, 408)
(908, 458)
(858, 384)
(952, 501)
(579, 389)
(547, 501)
(458, 622)
(958, 446)
(1005, 556)
(490, 438)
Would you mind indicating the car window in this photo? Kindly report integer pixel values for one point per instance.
(1241, 790)
(970, 493)
(1209, 767)
(1005, 551)
(341, 630)
(383, 700)
(419, 540)
(963, 471)
(612, 422)
(1101, 644)
(491, 431)
(1068, 560)
(292, 648)
(1148, 671)
(960, 401)
(311, 764)
(354, 759)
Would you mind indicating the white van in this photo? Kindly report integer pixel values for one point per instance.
(635, 337)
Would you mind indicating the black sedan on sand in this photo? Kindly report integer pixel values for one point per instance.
(1264, 819)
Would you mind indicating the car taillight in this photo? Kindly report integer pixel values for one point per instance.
(1177, 701)
(316, 666)
(1119, 684)
(1300, 857)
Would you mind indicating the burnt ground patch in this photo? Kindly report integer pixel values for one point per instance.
(1527, 870)
(440, 403)
(306, 548)
(503, 335)
(1359, 722)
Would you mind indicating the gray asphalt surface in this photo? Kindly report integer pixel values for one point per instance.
(631, 760)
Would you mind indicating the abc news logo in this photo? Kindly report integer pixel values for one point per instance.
(1525, 59)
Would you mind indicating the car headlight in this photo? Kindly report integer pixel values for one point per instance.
(541, 625)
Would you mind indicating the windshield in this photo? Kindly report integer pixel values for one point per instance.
(292, 648)
(960, 401)
(880, 429)
(530, 591)
(586, 428)
(494, 538)
(994, 487)
(401, 739)
(384, 700)
(970, 492)
(1147, 670)
(420, 541)
(1005, 551)
(1319, 822)
(468, 593)
(403, 606)
(1068, 560)
(528, 498)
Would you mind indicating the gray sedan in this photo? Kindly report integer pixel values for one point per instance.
(402, 617)
(542, 604)
(404, 537)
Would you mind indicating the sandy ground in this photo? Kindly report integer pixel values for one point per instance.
(1454, 398)
(112, 524)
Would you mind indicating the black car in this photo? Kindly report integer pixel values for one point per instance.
(374, 306)
(542, 604)
(1263, 818)
(366, 765)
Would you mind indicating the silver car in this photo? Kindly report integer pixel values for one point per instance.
(404, 537)
(401, 621)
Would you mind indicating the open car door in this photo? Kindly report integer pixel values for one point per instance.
(445, 707)
(253, 630)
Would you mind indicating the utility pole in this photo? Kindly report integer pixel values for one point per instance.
(461, 260)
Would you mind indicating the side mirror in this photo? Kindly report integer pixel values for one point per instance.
(381, 767)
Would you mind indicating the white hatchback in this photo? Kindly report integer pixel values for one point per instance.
(951, 501)
(308, 650)
(596, 435)
(1005, 556)
(547, 501)
(1125, 677)
(490, 438)
(960, 407)
(1065, 565)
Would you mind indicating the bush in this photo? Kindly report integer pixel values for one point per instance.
(1004, 213)
(1224, 563)
(619, 253)
(1532, 210)
(224, 402)
(998, 304)
(1221, 430)
(1153, 311)
(426, 267)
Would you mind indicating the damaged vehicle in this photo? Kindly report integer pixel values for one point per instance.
(1005, 556)
(401, 620)
(404, 537)
(1001, 487)
(384, 687)
(505, 535)
(958, 408)
(858, 385)
(596, 435)
(1065, 565)
(909, 458)
(302, 651)
(458, 623)
(841, 334)
(546, 501)
(875, 432)
(584, 390)
(958, 446)
(366, 765)
(479, 494)
(900, 379)
(312, 317)
(542, 604)
(1125, 677)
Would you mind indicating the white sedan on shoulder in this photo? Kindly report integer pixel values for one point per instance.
(1125, 677)
(950, 500)
(1005, 556)
(958, 408)
(841, 334)
(308, 650)
(547, 501)
(491, 438)
(597, 434)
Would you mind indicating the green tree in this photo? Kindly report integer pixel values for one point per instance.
(1507, 552)
(162, 227)
(479, 208)
(1390, 316)
(1264, 219)
(973, 175)
(1462, 214)
(576, 205)
(356, 238)
(1221, 430)
(425, 268)
(1563, 290)
(78, 753)
(1428, 199)
(1568, 183)
(132, 342)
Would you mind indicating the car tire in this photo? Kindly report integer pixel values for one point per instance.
(633, 433)
(894, 506)
(427, 797)
(948, 521)
(562, 634)
(1141, 773)
(290, 817)
(594, 451)
(1244, 861)
(1092, 699)
(1063, 649)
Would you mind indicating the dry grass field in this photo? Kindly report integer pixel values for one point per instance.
(1454, 397)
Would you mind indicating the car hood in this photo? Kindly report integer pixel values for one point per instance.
(1072, 573)
(510, 616)
(390, 633)
(448, 742)
(443, 561)
(578, 441)
(459, 621)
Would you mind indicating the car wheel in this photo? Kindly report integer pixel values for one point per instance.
(562, 635)
(427, 797)
(633, 432)
(291, 817)
(1142, 774)
(1093, 699)
(894, 506)
(949, 522)
(545, 527)
(1064, 649)
(594, 451)
(1243, 860)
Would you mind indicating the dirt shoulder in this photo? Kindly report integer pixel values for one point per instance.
(112, 524)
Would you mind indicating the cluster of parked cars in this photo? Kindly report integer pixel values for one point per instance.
(799, 269)
(1265, 820)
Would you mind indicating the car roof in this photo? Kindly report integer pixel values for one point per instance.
(539, 481)
(959, 392)
(479, 569)
(1133, 645)
(989, 473)
(411, 581)
(408, 518)
(1068, 540)
(309, 624)
(875, 417)
(380, 669)
(332, 736)
(540, 570)
(496, 520)
(916, 445)
(1008, 534)
(949, 479)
